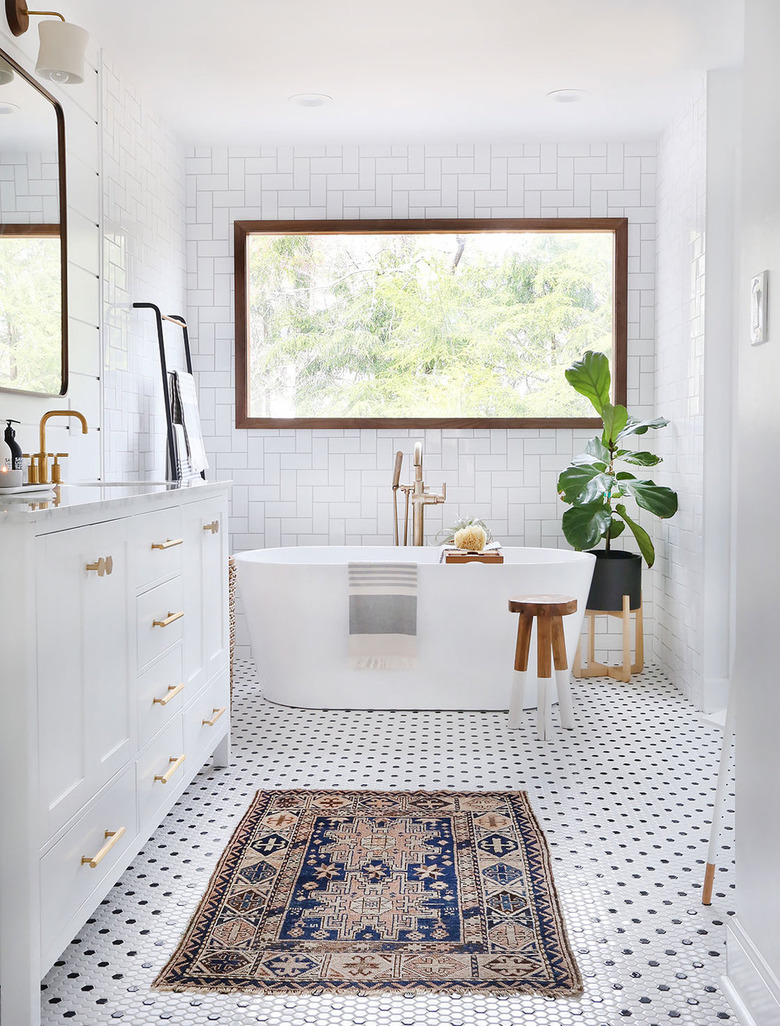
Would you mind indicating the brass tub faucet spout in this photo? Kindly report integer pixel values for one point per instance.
(417, 494)
(42, 457)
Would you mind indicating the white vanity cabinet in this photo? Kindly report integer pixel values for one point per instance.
(114, 687)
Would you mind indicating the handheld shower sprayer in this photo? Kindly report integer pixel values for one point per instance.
(399, 458)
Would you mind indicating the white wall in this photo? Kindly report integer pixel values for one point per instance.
(754, 937)
(143, 261)
(81, 105)
(679, 374)
(693, 386)
(125, 187)
(308, 487)
(29, 186)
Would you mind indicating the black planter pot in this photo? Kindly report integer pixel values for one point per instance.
(616, 574)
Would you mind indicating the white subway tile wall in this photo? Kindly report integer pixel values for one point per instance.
(309, 487)
(143, 261)
(29, 186)
(679, 383)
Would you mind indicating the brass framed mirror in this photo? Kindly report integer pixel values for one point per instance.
(33, 238)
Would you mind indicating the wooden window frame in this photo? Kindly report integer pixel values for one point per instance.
(616, 226)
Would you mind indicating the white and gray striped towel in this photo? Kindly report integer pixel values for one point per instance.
(186, 404)
(382, 616)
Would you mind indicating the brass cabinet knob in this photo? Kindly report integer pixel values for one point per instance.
(104, 565)
(213, 527)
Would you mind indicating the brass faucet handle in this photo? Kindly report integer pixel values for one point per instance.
(32, 470)
(56, 469)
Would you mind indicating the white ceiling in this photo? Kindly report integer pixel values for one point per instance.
(406, 70)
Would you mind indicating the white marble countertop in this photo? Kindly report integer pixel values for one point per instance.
(107, 498)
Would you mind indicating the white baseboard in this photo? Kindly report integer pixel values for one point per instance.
(751, 986)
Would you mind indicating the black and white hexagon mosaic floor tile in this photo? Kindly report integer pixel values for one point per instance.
(625, 800)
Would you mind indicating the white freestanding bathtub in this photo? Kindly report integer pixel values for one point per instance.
(296, 605)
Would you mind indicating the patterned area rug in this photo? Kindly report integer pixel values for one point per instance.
(374, 890)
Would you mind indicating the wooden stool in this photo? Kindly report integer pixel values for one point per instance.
(621, 673)
(548, 611)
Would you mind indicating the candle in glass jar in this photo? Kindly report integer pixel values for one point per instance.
(10, 478)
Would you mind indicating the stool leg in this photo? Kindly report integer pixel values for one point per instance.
(626, 677)
(521, 670)
(544, 676)
(562, 677)
(639, 641)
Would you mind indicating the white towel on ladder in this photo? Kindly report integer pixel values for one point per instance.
(184, 384)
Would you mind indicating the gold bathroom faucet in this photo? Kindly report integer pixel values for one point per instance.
(421, 498)
(42, 457)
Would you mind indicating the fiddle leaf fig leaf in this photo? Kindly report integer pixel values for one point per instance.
(640, 427)
(658, 499)
(616, 528)
(641, 459)
(585, 459)
(585, 526)
(596, 447)
(581, 485)
(641, 535)
(615, 419)
(590, 377)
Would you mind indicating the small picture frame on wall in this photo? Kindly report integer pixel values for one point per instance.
(759, 308)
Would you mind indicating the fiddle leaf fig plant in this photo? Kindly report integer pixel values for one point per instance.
(593, 486)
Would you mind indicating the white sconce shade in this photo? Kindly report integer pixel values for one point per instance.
(61, 52)
(6, 72)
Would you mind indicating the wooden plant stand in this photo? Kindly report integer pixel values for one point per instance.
(621, 672)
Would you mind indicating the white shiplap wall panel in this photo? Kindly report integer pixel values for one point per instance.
(81, 109)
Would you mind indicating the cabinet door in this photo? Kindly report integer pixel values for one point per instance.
(205, 574)
(85, 732)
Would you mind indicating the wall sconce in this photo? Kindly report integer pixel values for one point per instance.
(62, 44)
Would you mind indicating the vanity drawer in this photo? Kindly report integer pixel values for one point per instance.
(157, 546)
(160, 759)
(160, 617)
(66, 880)
(203, 719)
(161, 694)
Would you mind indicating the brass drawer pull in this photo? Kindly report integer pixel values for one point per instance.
(173, 691)
(168, 543)
(213, 527)
(168, 620)
(112, 837)
(217, 713)
(103, 565)
(174, 765)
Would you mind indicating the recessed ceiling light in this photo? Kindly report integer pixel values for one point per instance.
(568, 95)
(6, 107)
(310, 99)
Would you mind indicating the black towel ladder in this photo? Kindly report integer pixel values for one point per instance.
(173, 466)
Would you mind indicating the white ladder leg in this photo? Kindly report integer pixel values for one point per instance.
(720, 801)
(518, 698)
(563, 683)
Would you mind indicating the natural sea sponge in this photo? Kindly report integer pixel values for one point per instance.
(472, 538)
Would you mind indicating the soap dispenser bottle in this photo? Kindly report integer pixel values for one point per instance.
(13, 445)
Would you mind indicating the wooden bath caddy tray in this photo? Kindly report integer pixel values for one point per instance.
(473, 557)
